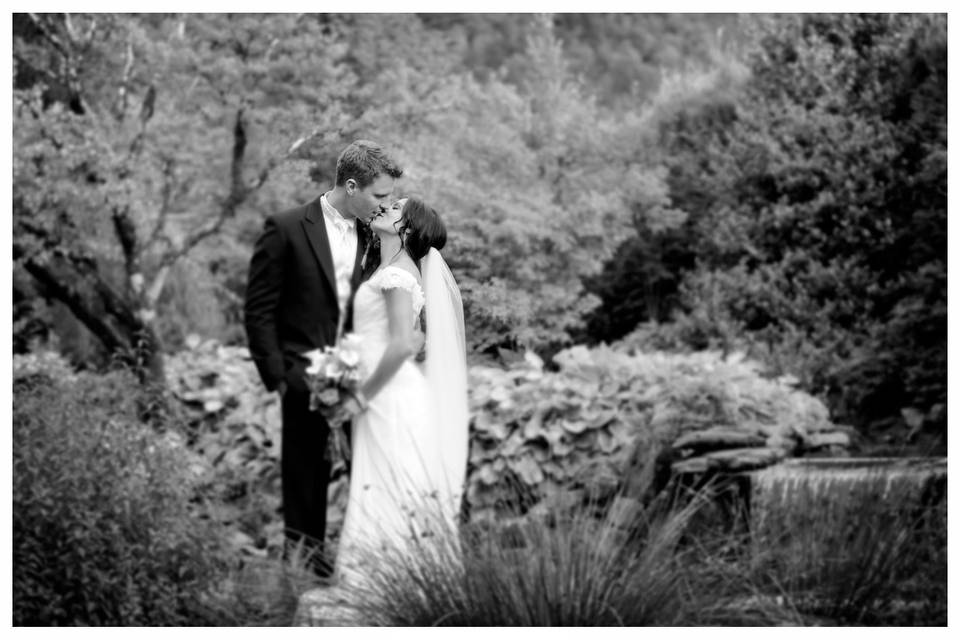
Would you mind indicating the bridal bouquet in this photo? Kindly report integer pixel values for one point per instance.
(333, 376)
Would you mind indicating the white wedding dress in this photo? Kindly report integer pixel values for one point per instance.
(406, 475)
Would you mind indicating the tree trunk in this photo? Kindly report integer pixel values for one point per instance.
(126, 331)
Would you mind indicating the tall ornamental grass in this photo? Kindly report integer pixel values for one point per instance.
(575, 570)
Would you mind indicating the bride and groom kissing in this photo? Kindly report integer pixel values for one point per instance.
(316, 272)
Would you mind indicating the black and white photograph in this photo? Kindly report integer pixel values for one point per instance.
(504, 318)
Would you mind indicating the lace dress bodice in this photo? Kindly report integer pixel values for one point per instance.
(371, 324)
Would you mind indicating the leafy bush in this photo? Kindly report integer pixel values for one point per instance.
(234, 424)
(103, 528)
(605, 417)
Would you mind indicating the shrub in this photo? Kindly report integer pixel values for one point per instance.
(602, 421)
(234, 424)
(103, 528)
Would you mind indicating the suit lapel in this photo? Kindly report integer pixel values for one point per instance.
(316, 230)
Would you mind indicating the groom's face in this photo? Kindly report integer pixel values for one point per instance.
(372, 199)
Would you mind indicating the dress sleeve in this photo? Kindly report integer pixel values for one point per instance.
(396, 278)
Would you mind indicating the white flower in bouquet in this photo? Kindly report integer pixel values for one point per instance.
(333, 375)
(318, 359)
(332, 370)
(349, 359)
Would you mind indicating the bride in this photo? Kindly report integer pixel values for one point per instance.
(410, 437)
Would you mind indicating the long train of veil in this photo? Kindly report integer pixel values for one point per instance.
(446, 373)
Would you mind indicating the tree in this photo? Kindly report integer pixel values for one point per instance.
(535, 200)
(133, 146)
(817, 196)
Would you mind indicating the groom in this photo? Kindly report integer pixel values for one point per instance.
(306, 265)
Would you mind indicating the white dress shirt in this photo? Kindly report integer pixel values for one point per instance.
(342, 235)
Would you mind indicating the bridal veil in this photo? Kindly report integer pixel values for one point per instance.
(446, 373)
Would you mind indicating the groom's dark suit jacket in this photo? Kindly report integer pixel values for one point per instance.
(291, 304)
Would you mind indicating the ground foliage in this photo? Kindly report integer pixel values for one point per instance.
(862, 548)
(106, 530)
(586, 570)
(233, 423)
(538, 437)
(207, 485)
(605, 422)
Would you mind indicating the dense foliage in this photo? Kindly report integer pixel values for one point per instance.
(561, 447)
(233, 424)
(606, 421)
(684, 188)
(105, 531)
(816, 195)
(148, 149)
(775, 184)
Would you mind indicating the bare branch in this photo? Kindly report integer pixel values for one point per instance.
(68, 23)
(146, 113)
(228, 294)
(88, 38)
(126, 232)
(125, 83)
(228, 207)
(42, 268)
(166, 198)
(239, 193)
(48, 35)
(237, 189)
(265, 173)
(156, 287)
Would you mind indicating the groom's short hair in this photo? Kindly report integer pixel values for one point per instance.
(363, 161)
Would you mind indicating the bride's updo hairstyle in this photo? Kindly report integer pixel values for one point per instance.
(420, 229)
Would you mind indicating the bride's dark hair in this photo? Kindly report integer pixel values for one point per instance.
(420, 229)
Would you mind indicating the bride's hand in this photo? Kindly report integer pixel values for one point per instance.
(355, 404)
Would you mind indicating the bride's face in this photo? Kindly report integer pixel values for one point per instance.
(388, 222)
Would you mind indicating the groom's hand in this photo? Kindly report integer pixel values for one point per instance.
(420, 344)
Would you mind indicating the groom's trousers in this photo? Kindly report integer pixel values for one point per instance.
(305, 476)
